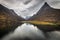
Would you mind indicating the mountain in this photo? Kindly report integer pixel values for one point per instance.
(46, 13)
(9, 20)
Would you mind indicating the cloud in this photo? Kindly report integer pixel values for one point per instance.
(54, 3)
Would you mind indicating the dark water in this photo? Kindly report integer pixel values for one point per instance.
(29, 32)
